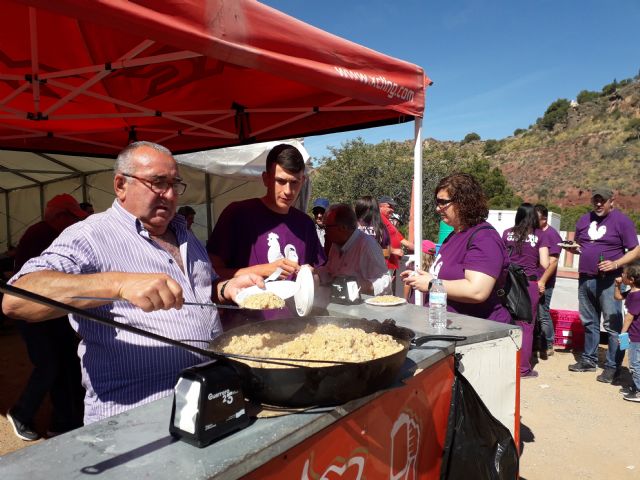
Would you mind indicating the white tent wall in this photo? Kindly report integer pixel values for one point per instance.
(26, 203)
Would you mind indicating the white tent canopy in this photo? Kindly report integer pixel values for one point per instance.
(215, 178)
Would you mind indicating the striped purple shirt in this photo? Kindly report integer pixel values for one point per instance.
(121, 370)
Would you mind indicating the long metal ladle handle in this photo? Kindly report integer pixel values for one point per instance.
(34, 297)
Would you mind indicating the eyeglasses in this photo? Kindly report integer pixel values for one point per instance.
(161, 186)
(442, 202)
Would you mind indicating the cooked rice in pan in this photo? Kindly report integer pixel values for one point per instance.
(262, 301)
(323, 342)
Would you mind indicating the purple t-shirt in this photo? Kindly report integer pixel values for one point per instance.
(248, 233)
(528, 257)
(609, 235)
(632, 303)
(487, 255)
(371, 231)
(550, 239)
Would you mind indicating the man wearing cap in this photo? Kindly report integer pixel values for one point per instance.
(51, 345)
(353, 252)
(387, 208)
(320, 206)
(607, 241)
(141, 253)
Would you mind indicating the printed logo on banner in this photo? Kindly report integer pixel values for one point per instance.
(351, 467)
(405, 443)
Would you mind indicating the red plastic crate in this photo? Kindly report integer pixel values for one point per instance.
(569, 332)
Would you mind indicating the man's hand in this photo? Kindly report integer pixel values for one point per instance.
(607, 266)
(417, 279)
(150, 291)
(289, 267)
(241, 282)
(541, 287)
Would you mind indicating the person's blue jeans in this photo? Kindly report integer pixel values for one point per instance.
(544, 317)
(595, 298)
(634, 363)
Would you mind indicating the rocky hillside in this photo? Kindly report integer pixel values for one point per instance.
(566, 153)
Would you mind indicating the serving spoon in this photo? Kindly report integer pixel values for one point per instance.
(197, 304)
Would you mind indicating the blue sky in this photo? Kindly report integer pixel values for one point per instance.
(496, 65)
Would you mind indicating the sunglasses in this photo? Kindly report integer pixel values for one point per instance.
(442, 202)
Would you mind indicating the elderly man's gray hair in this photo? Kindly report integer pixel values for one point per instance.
(124, 162)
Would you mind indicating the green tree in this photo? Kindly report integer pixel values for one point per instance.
(586, 96)
(495, 185)
(491, 147)
(470, 137)
(570, 216)
(519, 131)
(556, 113)
(609, 88)
(633, 126)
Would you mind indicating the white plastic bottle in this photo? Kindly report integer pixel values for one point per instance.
(437, 304)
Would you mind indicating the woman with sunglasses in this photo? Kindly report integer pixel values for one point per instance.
(524, 244)
(472, 261)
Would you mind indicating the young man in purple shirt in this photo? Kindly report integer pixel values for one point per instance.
(547, 279)
(260, 235)
(603, 235)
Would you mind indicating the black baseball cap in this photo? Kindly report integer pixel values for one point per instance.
(603, 192)
(387, 199)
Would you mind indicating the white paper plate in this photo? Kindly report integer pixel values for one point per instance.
(372, 301)
(282, 288)
(306, 291)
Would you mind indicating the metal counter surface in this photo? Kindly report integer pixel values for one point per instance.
(137, 443)
(416, 318)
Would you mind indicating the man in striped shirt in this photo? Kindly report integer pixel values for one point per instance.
(141, 252)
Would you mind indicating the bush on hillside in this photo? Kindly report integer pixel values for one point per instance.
(633, 126)
(610, 88)
(556, 113)
(519, 131)
(585, 96)
(491, 147)
(470, 137)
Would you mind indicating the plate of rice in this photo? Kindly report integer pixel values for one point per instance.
(385, 301)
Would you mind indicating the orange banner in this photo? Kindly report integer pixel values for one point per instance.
(399, 436)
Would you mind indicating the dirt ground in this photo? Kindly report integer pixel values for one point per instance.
(572, 426)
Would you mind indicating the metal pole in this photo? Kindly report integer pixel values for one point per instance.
(417, 201)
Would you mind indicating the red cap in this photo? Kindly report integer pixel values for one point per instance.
(66, 202)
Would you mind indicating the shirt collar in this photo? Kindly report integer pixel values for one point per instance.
(349, 243)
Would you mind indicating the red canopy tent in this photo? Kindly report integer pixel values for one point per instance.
(87, 77)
